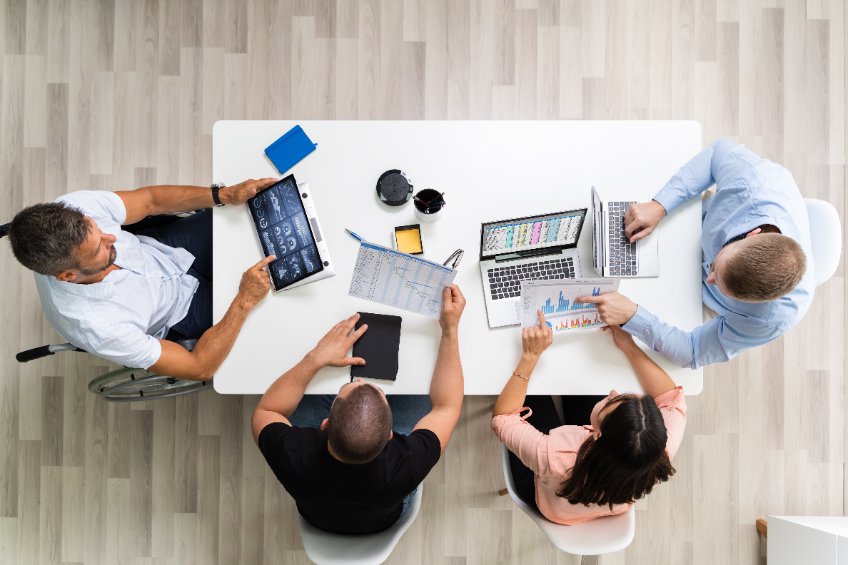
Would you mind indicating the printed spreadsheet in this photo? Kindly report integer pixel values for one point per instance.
(397, 279)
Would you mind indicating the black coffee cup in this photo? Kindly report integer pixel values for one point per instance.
(428, 204)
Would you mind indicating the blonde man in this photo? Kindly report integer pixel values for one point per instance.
(757, 258)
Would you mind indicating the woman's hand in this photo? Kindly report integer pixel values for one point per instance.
(654, 380)
(535, 340)
(621, 339)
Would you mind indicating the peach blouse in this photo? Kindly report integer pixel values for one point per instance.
(551, 456)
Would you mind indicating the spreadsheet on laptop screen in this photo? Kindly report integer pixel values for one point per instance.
(537, 232)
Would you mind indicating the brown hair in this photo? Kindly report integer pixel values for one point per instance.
(764, 267)
(359, 424)
(45, 237)
(625, 462)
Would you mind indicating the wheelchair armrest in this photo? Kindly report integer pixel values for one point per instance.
(44, 351)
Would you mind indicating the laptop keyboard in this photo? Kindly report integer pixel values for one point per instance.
(622, 253)
(505, 282)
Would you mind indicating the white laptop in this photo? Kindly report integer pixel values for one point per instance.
(533, 248)
(287, 226)
(613, 255)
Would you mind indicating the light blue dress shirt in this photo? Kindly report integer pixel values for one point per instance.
(750, 191)
(123, 317)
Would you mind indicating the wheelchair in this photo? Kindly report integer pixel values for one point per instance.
(127, 384)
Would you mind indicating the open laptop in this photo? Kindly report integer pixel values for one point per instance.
(613, 255)
(532, 248)
(288, 227)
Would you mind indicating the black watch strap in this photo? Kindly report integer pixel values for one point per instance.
(215, 197)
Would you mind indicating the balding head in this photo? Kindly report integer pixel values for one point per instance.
(360, 423)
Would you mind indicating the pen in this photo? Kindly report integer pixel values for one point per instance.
(354, 235)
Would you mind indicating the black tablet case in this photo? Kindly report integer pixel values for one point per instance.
(378, 346)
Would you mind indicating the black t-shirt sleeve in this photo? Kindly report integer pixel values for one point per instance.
(271, 442)
(425, 450)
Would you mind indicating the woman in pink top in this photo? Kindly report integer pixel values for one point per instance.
(574, 473)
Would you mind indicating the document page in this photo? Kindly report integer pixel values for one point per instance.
(396, 279)
(555, 298)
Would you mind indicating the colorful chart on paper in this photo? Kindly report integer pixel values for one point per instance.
(556, 300)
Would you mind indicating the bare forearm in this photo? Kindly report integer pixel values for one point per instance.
(287, 391)
(515, 391)
(216, 342)
(169, 199)
(653, 379)
(447, 387)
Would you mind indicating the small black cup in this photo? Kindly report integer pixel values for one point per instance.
(429, 201)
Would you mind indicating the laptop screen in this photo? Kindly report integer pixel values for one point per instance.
(560, 229)
(284, 231)
(598, 247)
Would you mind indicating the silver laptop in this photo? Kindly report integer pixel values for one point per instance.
(613, 255)
(532, 248)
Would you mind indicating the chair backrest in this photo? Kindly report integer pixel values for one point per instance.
(327, 548)
(595, 537)
(826, 237)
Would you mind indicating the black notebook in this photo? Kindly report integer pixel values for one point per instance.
(378, 346)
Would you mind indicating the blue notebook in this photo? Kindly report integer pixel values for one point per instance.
(287, 151)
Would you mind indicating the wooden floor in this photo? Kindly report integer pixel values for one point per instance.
(115, 94)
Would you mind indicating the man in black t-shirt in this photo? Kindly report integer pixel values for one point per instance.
(350, 473)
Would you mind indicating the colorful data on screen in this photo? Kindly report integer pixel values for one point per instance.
(512, 236)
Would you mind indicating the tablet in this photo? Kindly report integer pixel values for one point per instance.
(285, 229)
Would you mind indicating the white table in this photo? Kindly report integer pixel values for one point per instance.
(822, 540)
(488, 170)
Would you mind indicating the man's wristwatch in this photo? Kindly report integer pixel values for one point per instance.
(215, 188)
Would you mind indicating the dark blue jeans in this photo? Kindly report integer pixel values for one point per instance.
(194, 234)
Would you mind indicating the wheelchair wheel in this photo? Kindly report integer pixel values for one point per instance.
(128, 385)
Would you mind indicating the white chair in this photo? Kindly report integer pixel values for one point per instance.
(826, 237)
(589, 539)
(327, 548)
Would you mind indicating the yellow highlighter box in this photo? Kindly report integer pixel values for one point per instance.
(408, 239)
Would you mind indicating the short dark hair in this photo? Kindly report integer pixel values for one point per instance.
(359, 424)
(45, 237)
(625, 462)
(764, 267)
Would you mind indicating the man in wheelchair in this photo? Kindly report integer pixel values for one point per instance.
(127, 296)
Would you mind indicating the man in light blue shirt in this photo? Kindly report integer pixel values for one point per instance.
(758, 274)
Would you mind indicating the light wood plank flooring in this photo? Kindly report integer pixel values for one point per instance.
(114, 94)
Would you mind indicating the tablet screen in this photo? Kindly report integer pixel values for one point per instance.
(284, 231)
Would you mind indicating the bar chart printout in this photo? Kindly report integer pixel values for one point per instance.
(396, 279)
(556, 300)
